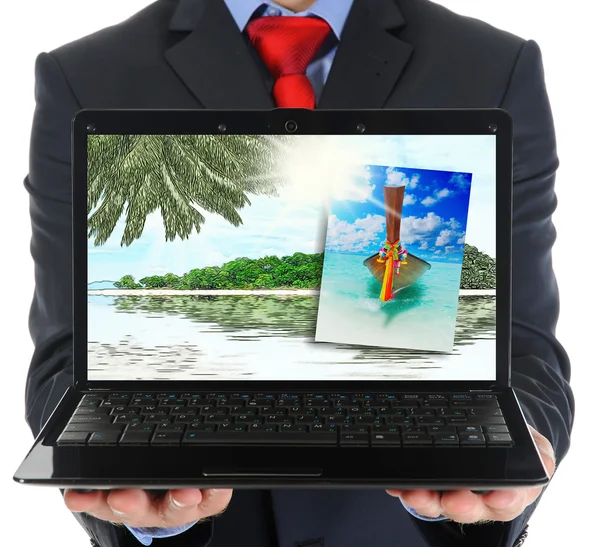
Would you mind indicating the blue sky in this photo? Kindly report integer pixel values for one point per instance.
(296, 221)
(434, 213)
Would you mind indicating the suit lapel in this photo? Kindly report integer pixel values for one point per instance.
(214, 60)
(369, 60)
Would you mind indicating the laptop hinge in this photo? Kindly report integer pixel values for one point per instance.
(492, 388)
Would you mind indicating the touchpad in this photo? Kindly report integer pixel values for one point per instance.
(257, 472)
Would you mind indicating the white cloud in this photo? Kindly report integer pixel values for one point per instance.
(398, 178)
(460, 240)
(444, 238)
(423, 246)
(443, 193)
(437, 252)
(428, 201)
(459, 180)
(454, 224)
(409, 199)
(414, 228)
(449, 248)
(353, 237)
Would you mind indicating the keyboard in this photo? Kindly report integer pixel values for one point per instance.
(307, 419)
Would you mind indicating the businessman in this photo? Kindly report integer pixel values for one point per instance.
(354, 54)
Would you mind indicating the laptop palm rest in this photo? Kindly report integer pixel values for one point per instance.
(255, 472)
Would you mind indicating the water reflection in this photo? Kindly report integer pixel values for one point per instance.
(176, 337)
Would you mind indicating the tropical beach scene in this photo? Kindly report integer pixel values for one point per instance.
(206, 257)
(393, 260)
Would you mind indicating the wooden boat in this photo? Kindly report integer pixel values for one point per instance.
(408, 271)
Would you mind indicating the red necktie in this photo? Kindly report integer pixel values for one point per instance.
(287, 45)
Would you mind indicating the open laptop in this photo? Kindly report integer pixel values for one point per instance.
(290, 298)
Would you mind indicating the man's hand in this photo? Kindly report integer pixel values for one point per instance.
(466, 507)
(141, 509)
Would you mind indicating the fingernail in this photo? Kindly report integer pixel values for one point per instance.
(177, 503)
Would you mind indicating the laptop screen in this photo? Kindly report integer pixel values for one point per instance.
(297, 257)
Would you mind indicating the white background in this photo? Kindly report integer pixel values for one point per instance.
(568, 512)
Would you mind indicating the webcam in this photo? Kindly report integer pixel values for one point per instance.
(361, 127)
(91, 128)
(493, 128)
(291, 126)
(222, 128)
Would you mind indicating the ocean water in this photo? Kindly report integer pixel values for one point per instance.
(421, 316)
(264, 338)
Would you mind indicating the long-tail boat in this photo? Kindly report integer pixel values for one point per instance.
(392, 266)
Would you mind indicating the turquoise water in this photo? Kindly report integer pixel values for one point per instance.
(422, 316)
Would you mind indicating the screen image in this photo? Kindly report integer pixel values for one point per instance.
(303, 257)
(380, 244)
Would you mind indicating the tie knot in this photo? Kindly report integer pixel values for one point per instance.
(287, 45)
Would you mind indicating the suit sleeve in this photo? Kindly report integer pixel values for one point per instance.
(540, 366)
(50, 322)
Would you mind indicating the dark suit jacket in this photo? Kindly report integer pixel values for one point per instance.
(393, 54)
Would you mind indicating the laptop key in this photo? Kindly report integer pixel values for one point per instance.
(73, 437)
(294, 427)
(495, 429)
(83, 410)
(91, 419)
(135, 437)
(472, 439)
(275, 438)
(484, 411)
(90, 428)
(233, 428)
(439, 429)
(170, 427)
(416, 439)
(499, 439)
(468, 429)
(166, 437)
(354, 439)
(385, 439)
(445, 439)
(104, 437)
(129, 419)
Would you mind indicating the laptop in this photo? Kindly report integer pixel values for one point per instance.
(290, 298)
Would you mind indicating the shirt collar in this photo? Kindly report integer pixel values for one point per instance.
(335, 12)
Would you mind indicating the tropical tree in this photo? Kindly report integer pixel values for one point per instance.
(180, 175)
(127, 282)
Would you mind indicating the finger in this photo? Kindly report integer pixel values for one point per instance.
(82, 502)
(130, 506)
(179, 507)
(215, 501)
(425, 502)
(463, 506)
(546, 451)
(505, 505)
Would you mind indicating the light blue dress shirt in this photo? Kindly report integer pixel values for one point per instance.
(335, 12)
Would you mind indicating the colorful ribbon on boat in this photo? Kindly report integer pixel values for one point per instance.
(393, 255)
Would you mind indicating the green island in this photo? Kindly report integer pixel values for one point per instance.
(299, 271)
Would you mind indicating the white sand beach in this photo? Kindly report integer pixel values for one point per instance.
(234, 292)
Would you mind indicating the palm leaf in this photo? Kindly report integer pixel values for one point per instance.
(180, 175)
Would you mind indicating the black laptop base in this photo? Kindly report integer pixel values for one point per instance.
(397, 450)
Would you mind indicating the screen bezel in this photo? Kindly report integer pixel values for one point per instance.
(326, 122)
